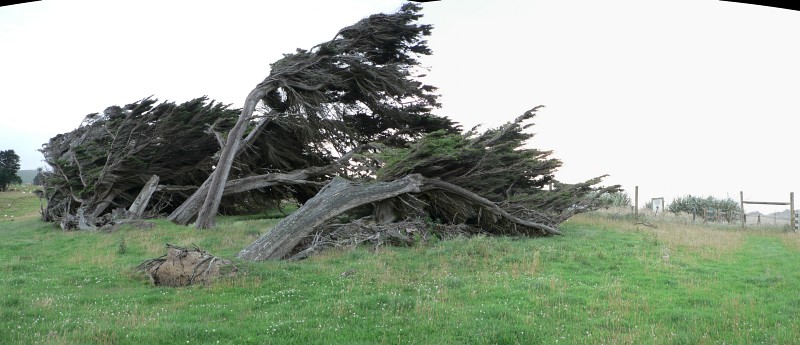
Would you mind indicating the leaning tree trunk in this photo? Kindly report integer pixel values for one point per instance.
(338, 196)
(208, 212)
(341, 195)
(136, 210)
(186, 212)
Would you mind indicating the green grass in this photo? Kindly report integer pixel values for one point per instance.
(18, 201)
(605, 281)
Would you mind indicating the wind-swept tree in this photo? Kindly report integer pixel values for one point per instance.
(486, 183)
(344, 128)
(356, 88)
(108, 158)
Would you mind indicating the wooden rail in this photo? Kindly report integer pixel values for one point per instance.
(766, 202)
(790, 203)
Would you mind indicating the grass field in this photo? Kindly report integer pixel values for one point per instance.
(606, 281)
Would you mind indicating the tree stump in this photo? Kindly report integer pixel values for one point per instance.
(186, 266)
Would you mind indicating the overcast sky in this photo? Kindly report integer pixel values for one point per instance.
(678, 97)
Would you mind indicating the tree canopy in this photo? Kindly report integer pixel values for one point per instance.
(109, 157)
(9, 165)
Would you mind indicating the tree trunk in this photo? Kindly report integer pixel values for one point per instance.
(98, 208)
(341, 195)
(338, 196)
(137, 208)
(185, 213)
(208, 212)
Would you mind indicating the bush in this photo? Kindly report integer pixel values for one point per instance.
(615, 199)
(698, 206)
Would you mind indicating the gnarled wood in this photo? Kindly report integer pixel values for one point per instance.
(140, 203)
(188, 210)
(337, 197)
(208, 211)
(341, 195)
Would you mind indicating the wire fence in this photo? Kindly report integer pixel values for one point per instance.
(713, 212)
(713, 217)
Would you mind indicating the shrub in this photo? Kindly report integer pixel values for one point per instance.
(698, 206)
(615, 199)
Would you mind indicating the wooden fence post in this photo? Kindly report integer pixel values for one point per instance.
(741, 204)
(636, 204)
(791, 211)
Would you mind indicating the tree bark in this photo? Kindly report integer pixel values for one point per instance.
(185, 213)
(140, 203)
(341, 195)
(208, 212)
(338, 196)
(101, 206)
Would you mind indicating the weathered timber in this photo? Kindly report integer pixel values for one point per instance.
(341, 195)
(189, 209)
(337, 197)
(136, 210)
(208, 211)
(488, 205)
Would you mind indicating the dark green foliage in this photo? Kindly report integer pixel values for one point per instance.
(356, 89)
(360, 86)
(320, 103)
(107, 160)
(497, 165)
(494, 164)
(9, 165)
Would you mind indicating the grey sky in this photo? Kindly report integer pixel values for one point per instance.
(679, 97)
